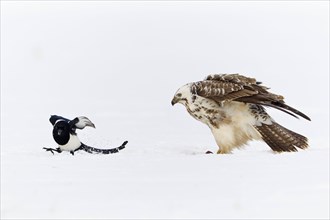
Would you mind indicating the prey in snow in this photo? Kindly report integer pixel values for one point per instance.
(64, 134)
(233, 107)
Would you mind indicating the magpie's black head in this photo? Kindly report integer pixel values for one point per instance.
(61, 132)
(54, 118)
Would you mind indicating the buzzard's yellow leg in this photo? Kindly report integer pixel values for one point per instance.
(223, 151)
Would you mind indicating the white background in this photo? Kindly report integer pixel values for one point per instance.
(120, 63)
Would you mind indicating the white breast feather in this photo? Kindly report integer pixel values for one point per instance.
(242, 122)
(73, 144)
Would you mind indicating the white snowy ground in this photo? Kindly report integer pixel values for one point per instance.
(120, 64)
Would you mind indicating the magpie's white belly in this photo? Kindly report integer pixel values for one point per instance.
(73, 144)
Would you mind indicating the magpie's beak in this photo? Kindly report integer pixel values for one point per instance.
(90, 124)
(82, 121)
(174, 101)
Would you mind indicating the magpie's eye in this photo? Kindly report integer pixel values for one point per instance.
(179, 95)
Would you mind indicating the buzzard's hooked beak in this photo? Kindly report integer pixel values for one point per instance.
(174, 101)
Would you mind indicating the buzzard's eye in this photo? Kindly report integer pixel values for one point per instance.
(179, 94)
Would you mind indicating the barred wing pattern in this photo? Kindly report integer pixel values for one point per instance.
(235, 87)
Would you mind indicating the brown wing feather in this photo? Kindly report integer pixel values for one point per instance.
(234, 78)
(222, 87)
(221, 91)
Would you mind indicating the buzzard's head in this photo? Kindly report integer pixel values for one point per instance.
(183, 95)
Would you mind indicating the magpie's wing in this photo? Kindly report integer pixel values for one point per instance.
(54, 118)
(81, 122)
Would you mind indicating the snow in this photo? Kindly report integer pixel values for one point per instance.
(119, 64)
(153, 185)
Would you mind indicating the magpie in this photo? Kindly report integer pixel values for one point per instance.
(64, 134)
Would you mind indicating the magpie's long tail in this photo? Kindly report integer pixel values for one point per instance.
(93, 150)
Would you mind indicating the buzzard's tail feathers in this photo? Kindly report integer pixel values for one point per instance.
(281, 139)
(93, 150)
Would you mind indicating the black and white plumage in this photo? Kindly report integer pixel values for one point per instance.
(232, 106)
(64, 134)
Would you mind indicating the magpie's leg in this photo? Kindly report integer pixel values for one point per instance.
(79, 148)
(58, 150)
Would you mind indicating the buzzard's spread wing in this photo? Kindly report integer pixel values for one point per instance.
(235, 87)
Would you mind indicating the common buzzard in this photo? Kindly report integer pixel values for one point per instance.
(233, 107)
